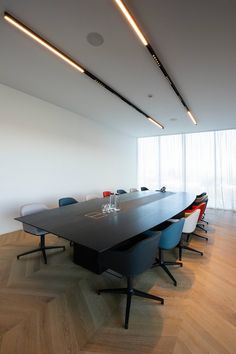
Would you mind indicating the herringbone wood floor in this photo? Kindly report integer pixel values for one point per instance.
(54, 308)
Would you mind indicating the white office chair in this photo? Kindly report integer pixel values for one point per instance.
(133, 190)
(190, 224)
(92, 196)
(32, 209)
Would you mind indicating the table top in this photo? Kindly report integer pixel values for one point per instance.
(139, 211)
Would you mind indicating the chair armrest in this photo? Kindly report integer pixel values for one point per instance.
(173, 220)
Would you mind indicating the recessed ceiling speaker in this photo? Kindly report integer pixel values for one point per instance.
(95, 39)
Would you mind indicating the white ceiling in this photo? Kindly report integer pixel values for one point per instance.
(195, 41)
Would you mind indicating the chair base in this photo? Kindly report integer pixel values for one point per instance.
(163, 265)
(130, 291)
(41, 248)
(204, 237)
(201, 227)
(181, 247)
(206, 222)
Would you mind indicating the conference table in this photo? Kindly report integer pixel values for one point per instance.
(93, 232)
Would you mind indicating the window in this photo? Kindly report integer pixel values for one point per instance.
(195, 163)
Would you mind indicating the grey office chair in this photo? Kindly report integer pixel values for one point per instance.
(31, 209)
(144, 189)
(131, 261)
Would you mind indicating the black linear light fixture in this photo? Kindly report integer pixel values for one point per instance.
(142, 38)
(33, 35)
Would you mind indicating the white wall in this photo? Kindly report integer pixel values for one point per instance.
(47, 152)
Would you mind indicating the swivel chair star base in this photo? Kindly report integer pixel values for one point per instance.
(42, 248)
(130, 291)
(200, 236)
(186, 247)
(163, 264)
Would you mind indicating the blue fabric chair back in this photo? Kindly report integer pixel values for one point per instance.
(121, 191)
(67, 201)
(170, 237)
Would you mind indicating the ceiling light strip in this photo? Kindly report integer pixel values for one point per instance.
(151, 51)
(131, 21)
(42, 41)
(19, 25)
(155, 122)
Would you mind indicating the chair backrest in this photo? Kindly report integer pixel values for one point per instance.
(121, 191)
(32, 209)
(92, 196)
(201, 199)
(201, 207)
(170, 237)
(136, 259)
(67, 201)
(144, 189)
(106, 194)
(133, 190)
(201, 195)
(191, 221)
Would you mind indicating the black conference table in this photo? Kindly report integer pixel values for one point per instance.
(93, 232)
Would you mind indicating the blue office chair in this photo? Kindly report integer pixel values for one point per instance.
(131, 261)
(121, 191)
(67, 201)
(31, 209)
(170, 238)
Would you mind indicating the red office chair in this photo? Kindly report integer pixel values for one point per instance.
(106, 194)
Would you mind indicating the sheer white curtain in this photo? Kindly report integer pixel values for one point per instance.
(191, 162)
(148, 163)
(225, 166)
(200, 164)
(171, 162)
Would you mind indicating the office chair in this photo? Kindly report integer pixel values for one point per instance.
(190, 224)
(92, 196)
(201, 198)
(170, 238)
(144, 189)
(106, 194)
(31, 209)
(133, 190)
(121, 191)
(67, 201)
(202, 208)
(130, 262)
